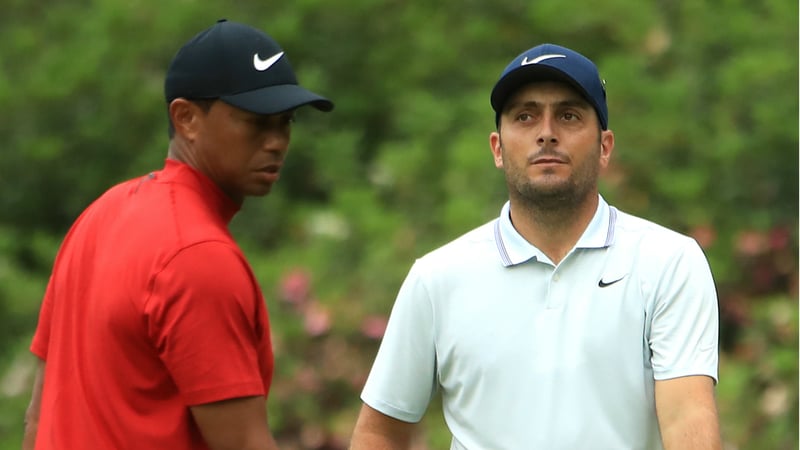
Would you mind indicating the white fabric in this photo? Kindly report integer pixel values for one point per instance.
(531, 356)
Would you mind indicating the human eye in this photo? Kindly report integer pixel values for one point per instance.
(524, 117)
(570, 116)
(272, 121)
(280, 120)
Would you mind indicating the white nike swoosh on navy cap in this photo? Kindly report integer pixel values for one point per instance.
(264, 64)
(539, 59)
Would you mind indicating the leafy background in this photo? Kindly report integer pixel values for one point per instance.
(703, 98)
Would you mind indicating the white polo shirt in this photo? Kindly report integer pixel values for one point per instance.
(529, 355)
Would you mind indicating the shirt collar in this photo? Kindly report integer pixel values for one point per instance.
(184, 174)
(514, 249)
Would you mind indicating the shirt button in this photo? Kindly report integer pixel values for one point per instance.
(556, 277)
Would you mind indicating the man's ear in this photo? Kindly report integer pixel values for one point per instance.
(496, 145)
(606, 147)
(185, 117)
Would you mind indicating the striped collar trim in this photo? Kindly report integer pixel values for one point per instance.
(513, 249)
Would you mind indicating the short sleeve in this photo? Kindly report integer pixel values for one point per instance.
(41, 338)
(684, 335)
(206, 318)
(40, 344)
(403, 376)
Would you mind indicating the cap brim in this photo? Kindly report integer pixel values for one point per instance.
(277, 99)
(528, 74)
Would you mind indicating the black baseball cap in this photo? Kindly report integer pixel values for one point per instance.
(241, 66)
(552, 62)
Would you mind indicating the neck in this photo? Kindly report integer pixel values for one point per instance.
(553, 230)
(181, 150)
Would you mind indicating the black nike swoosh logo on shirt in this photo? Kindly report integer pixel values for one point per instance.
(603, 284)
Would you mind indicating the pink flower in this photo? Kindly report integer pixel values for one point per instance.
(705, 235)
(779, 238)
(751, 243)
(317, 319)
(296, 287)
(373, 327)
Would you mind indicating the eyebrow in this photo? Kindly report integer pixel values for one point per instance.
(569, 103)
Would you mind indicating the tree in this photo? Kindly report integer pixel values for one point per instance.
(703, 99)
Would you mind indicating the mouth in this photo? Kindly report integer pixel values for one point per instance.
(269, 173)
(547, 156)
(271, 168)
(547, 160)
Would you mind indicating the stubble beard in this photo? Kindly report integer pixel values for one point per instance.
(554, 197)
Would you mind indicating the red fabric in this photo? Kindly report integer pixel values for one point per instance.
(151, 308)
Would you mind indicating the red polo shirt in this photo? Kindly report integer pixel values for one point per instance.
(151, 307)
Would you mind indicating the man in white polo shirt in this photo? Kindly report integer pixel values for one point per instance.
(563, 324)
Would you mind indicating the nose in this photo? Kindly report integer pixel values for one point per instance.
(547, 135)
(277, 140)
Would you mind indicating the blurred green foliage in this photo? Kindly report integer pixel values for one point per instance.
(703, 98)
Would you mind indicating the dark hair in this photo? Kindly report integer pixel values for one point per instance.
(203, 103)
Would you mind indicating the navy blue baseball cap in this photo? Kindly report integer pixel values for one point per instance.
(552, 62)
(241, 66)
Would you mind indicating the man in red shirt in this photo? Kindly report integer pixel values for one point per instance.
(153, 333)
